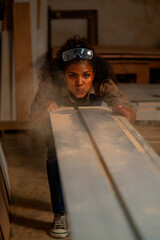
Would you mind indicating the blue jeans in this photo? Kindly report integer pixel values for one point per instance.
(54, 182)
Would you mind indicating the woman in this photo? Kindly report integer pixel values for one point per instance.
(76, 77)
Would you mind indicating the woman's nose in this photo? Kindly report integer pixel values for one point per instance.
(79, 81)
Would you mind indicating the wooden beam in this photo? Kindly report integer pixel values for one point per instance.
(134, 167)
(4, 170)
(104, 161)
(23, 59)
(90, 199)
(6, 85)
(4, 214)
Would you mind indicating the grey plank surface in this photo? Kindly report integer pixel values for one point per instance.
(132, 167)
(94, 210)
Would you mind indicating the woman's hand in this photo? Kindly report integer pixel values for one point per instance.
(124, 111)
(52, 107)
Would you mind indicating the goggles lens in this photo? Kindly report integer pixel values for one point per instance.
(71, 54)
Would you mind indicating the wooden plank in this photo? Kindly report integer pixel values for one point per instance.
(125, 50)
(5, 89)
(14, 109)
(141, 92)
(150, 58)
(23, 59)
(94, 211)
(145, 98)
(4, 169)
(133, 166)
(14, 125)
(4, 215)
(4, 193)
(148, 115)
(149, 111)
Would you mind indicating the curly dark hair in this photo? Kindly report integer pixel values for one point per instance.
(103, 70)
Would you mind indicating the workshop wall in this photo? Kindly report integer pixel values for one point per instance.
(120, 22)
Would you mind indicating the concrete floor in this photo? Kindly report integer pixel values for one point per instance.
(31, 206)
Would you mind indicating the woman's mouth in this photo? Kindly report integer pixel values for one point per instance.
(79, 91)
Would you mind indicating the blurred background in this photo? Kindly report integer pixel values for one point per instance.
(124, 32)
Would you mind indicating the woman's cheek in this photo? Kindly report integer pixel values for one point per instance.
(70, 83)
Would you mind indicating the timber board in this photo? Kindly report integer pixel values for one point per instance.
(93, 207)
(4, 213)
(114, 162)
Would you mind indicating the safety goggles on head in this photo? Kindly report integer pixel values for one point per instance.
(71, 54)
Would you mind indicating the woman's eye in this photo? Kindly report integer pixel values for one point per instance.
(86, 75)
(71, 75)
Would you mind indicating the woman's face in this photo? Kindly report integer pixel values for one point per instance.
(79, 78)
